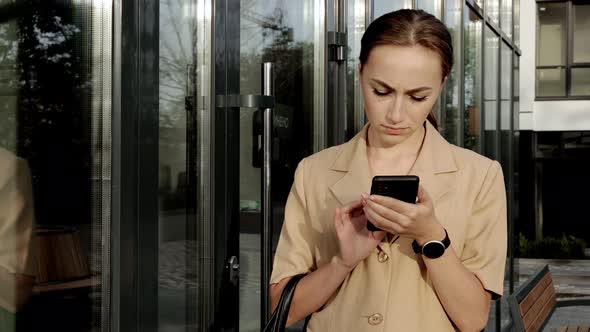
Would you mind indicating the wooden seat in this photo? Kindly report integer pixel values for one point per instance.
(574, 329)
(535, 301)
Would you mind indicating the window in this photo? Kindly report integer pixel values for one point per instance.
(506, 17)
(563, 51)
(490, 105)
(450, 119)
(493, 9)
(473, 80)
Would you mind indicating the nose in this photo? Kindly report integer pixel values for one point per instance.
(395, 112)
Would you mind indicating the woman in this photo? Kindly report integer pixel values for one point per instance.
(17, 248)
(375, 281)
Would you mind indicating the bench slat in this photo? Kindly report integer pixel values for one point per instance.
(526, 304)
(541, 308)
(546, 310)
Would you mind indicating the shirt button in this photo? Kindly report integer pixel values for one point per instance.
(375, 319)
(382, 257)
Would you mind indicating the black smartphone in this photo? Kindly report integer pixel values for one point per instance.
(402, 187)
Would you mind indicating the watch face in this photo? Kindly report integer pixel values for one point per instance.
(433, 249)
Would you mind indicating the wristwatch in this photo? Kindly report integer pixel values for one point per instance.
(432, 249)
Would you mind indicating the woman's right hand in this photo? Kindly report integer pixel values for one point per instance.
(356, 242)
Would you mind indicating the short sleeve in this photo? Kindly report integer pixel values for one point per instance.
(485, 247)
(16, 218)
(294, 254)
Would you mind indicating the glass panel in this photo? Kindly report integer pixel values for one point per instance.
(55, 149)
(451, 120)
(516, 91)
(490, 108)
(491, 93)
(507, 152)
(356, 28)
(381, 7)
(282, 32)
(430, 6)
(515, 204)
(493, 9)
(506, 19)
(551, 82)
(183, 90)
(551, 34)
(516, 20)
(506, 87)
(580, 82)
(473, 80)
(581, 33)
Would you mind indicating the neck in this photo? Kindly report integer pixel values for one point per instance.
(410, 147)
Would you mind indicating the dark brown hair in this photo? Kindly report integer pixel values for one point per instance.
(408, 27)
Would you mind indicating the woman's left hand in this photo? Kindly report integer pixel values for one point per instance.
(416, 221)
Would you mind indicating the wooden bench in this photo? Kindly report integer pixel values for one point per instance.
(535, 301)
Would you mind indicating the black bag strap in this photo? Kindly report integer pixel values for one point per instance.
(278, 320)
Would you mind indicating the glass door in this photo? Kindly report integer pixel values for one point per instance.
(185, 270)
(259, 141)
(228, 145)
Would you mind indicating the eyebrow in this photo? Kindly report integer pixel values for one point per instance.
(385, 85)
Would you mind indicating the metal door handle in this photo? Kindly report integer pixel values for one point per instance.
(245, 101)
(233, 267)
(266, 238)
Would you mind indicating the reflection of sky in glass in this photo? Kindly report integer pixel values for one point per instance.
(381, 7)
(176, 38)
(472, 46)
(433, 7)
(493, 8)
(491, 78)
(506, 87)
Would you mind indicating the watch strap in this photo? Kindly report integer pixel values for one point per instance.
(446, 242)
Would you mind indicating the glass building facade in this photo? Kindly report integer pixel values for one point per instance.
(147, 147)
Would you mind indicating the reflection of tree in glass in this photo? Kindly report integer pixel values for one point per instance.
(293, 63)
(8, 82)
(177, 51)
(51, 77)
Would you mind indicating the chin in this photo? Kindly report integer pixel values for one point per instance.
(393, 139)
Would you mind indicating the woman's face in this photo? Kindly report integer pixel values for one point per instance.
(400, 86)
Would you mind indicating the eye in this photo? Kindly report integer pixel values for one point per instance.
(418, 99)
(380, 93)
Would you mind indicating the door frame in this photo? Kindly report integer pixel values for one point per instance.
(135, 132)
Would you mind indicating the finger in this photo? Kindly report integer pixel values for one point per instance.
(352, 206)
(378, 235)
(392, 203)
(338, 218)
(381, 222)
(388, 213)
(359, 223)
(423, 196)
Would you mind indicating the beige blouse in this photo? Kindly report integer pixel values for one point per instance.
(391, 289)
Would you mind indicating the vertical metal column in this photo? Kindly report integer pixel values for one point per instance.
(266, 238)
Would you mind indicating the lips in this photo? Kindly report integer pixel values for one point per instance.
(393, 130)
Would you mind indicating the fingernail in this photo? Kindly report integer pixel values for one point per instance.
(372, 197)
